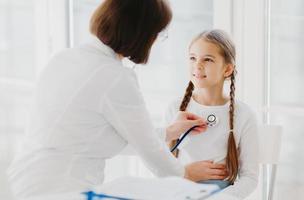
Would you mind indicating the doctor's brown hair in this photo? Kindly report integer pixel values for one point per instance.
(227, 50)
(130, 27)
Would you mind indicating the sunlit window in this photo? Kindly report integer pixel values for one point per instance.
(286, 97)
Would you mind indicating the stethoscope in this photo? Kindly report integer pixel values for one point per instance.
(212, 121)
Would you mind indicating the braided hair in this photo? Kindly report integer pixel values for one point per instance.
(183, 107)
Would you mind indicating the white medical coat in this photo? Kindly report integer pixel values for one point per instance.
(87, 108)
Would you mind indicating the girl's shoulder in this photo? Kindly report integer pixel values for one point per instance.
(244, 111)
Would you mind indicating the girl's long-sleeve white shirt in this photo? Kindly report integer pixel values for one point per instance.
(212, 144)
(87, 108)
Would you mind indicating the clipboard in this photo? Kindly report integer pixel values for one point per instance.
(136, 188)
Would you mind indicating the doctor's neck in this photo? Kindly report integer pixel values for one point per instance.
(210, 96)
(119, 56)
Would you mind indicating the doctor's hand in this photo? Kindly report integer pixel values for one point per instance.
(183, 122)
(205, 170)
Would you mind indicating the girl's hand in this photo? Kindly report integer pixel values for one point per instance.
(183, 122)
(205, 170)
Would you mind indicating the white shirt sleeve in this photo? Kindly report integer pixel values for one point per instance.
(167, 118)
(248, 160)
(124, 108)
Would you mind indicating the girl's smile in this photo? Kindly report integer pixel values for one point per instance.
(199, 75)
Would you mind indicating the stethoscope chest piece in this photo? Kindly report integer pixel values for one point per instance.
(212, 120)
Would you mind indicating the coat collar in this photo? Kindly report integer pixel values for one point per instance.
(102, 47)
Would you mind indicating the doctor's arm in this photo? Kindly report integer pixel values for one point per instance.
(175, 123)
(124, 108)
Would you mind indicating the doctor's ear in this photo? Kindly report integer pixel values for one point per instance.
(229, 70)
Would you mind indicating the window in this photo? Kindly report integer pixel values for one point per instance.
(286, 42)
(17, 67)
(17, 39)
(286, 91)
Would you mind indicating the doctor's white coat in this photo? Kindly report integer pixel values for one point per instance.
(87, 108)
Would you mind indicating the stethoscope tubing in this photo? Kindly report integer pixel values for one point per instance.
(210, 122)
(182, 138)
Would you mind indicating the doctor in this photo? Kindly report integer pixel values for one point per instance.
(88, 107)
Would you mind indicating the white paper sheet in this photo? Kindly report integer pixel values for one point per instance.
(156, 188)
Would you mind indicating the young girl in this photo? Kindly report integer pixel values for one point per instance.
(231, 136)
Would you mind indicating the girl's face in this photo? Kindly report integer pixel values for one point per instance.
(207, 66)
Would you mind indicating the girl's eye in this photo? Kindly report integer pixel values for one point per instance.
(192, 58)
(208, 60)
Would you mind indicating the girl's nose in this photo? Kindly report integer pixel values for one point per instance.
(199, 65)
